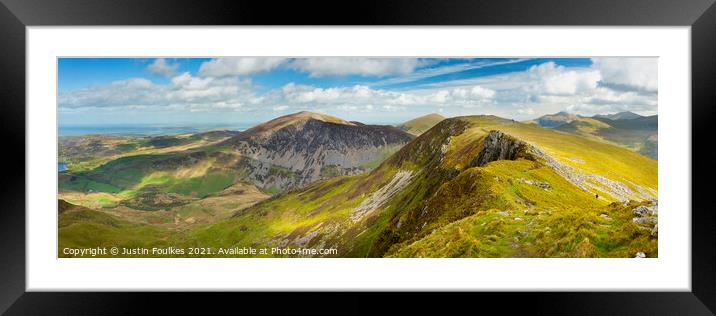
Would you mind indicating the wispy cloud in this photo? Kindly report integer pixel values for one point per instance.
(226, 85)
(442, 70)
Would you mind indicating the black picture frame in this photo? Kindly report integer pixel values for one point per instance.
(16, 15)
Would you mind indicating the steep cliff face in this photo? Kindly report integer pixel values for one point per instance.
(297, 149)
(498, 146)
(473, 186)
(285, 153)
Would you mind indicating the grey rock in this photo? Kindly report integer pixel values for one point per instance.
(499, 146)
(640, 255)
(642, 211)
(592, 182)
(543, 185)
(380, 197)
(299, 149)
(644, 220)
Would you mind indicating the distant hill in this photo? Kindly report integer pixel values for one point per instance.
(421, 124)
(171, 171)
(309, 146)
(628, 129)
(476, 186)
(557, 119)
(89, 151)
(627, 115)
(473, 186)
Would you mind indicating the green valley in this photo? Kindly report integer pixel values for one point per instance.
(470, 186)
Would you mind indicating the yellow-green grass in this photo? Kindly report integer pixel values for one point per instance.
(383, 153)
(421, 124)
(575, 232)
(84, 228)
(450, 208)
(613, 162)
(91, 200)
(221, 205)
(280, 215)
(130, 146)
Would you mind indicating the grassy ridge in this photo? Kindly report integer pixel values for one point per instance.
(421, 124)
(449, 207)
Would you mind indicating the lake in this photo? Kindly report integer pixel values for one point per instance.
(61, 167)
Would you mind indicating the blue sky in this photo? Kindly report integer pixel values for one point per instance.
(236, 91)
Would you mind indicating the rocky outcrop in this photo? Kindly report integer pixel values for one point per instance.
(499, 146)
(378, 198)
(593, 182)
(293, 151)
(542, 185)
(647, 215)
(644, 220)
(642, 210)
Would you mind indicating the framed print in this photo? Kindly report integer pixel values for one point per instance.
(549, 148)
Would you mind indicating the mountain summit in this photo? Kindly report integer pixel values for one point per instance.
(298, 120)
(300, 148)
(475, 186)
(556, 119)
(471, 186)
(288, 152)
(626, 115)
(421, 124)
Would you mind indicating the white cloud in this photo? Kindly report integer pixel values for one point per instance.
(183, 90)
(549, 88)
(636, 72)
(239, 66)
(462, 96)
(526, 111)
(135, 91)
(359, 95)
(542, 89)
(558, 80)
(392, 108)
(362, 66)
(160, 66)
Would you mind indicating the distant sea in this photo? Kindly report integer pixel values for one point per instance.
(78, 130)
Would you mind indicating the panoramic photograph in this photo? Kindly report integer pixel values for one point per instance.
(357, 157)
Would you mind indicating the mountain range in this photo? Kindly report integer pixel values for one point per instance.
(472, 186)
(628, 129)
